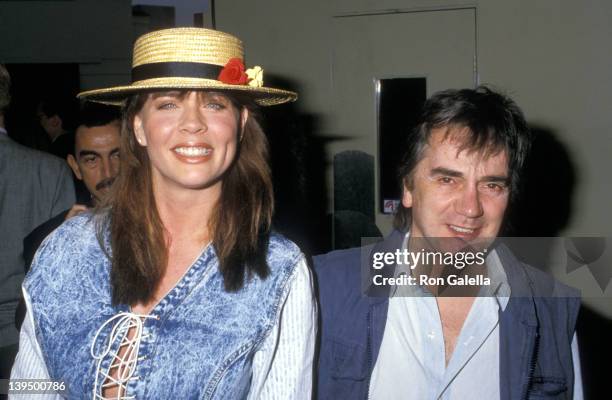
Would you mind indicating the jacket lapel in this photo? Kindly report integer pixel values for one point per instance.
(518, 333)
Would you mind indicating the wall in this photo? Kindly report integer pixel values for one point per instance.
(552, 57)
(95, 34)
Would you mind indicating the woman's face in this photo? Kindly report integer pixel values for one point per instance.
(191, 138)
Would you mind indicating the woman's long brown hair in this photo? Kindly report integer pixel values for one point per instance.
(240, 224)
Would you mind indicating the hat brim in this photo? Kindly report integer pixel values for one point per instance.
(263, 96)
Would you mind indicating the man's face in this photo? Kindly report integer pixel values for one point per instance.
(457, 193)
(51, 125)
(97, 157)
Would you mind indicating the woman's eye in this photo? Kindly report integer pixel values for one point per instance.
(215, 106)
(166, 106)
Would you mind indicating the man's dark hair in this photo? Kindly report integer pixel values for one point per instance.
(95, 114)
(51, 106)
(494, 123)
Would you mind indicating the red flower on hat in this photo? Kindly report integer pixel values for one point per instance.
(233, 73)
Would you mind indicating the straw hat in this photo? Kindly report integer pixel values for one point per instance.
(191, 58)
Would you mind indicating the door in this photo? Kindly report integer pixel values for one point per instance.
(438, 45)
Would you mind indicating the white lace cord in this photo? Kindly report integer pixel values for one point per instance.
(126, 364)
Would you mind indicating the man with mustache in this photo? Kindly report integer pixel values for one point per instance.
(95, 162)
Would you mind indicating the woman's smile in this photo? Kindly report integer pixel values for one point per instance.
(193, 153)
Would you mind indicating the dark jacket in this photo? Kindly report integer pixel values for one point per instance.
(536, 327)
(32, 242)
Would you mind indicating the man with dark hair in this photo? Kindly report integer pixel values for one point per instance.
(34, 186)
(510, 335)
(53, 116)
(94, 160)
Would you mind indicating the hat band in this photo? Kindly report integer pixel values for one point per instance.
(175, 70)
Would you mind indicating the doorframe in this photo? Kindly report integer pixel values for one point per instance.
(407, 10)
(423, 9)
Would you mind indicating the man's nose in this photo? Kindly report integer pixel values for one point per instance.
(108, 169)
(469, 203)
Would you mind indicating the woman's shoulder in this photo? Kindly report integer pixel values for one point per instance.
(278, 239)
(67, 249)
(81, 222)
(78, 232)
(281, 248)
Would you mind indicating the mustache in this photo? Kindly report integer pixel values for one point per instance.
(103, 184)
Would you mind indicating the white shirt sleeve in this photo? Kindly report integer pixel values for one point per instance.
(29, 363)
(283, 367)
(578, 395)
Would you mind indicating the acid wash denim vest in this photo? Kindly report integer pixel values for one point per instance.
(199, 343)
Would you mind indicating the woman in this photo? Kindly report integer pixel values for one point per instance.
(175, 287)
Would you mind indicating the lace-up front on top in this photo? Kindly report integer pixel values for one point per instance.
(127, 331)
(201, 347)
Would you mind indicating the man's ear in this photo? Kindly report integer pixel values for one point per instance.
(406, 196)
(74, 166)
(138, 129)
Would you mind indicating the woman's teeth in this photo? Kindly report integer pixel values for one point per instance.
(193, 151)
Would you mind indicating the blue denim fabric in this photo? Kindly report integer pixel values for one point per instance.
(201, 346)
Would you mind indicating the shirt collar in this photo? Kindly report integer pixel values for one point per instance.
(499, 287)
(3, 131)
(57, 137)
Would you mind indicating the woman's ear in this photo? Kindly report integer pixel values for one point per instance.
(139, 131)
(244, 116)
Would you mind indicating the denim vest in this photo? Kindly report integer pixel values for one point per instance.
(536, 328)
(199, 343)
